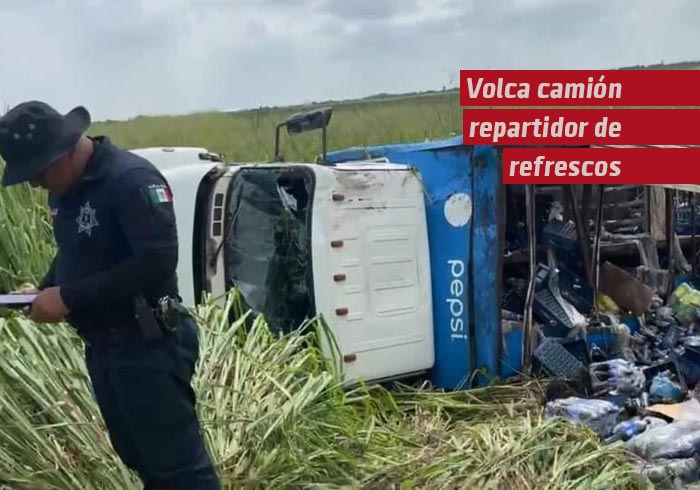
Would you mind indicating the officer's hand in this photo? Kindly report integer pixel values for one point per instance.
(48, 307)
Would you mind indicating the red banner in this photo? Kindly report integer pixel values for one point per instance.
(601, 165)
(583, 88)
(581, 126)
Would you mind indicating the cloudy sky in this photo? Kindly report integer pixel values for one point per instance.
(121, 58)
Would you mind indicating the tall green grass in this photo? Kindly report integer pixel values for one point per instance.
(26, 239)
(249, 135)
(276, 415)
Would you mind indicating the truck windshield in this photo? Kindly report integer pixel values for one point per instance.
(267, 247)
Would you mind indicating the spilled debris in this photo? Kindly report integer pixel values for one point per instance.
(620, 344)
(642, 391)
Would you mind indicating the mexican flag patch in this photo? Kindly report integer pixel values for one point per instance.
(160, 194)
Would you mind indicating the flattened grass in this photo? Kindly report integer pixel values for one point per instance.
(275, 415)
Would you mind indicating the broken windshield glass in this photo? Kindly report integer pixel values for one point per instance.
(267, 249)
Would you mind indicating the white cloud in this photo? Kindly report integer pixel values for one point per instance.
(128, 57)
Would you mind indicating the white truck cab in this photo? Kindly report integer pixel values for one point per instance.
(346, 241)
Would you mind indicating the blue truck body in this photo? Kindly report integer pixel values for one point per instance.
(471, 348)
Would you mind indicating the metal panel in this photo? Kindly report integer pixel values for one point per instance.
(487, 255)
(185, 181)
(371, 269)
(445, 170)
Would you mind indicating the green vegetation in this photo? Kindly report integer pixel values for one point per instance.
(249, 135)
(26, 241)
(273, 410)
(276, 416)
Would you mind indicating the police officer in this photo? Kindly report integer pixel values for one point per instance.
(113, 279)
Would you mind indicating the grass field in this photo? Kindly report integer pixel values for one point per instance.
(275, 417)
(249, 135)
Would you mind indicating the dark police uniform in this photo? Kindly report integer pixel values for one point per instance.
(122, 209)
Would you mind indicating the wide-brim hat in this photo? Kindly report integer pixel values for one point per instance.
(33, 135)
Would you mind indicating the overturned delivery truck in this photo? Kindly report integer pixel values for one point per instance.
(420, 260)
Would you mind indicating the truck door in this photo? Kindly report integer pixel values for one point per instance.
(462, 198)
(371, 269)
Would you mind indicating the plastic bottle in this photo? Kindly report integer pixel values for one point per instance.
(626, 430)
(629, 428)
(598, 415)
(620, 375)
(597, 354)
(679, 439)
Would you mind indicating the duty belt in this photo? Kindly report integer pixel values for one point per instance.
(154, 322)
(164, 319)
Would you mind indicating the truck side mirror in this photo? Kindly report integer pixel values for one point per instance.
(302, 122)
(318, 119)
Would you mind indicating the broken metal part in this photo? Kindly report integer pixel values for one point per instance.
(577, 320)
(596, 248)
(528, 333)
(581, 229)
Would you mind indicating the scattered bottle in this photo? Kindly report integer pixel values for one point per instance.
(624, 431)
(620, 375)
(598, 415)
(597, 354)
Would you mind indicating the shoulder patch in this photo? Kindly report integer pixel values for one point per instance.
(159, 193)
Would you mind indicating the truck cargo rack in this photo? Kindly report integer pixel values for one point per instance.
(644, 230)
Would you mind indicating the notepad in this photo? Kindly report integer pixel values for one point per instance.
(16, 300)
